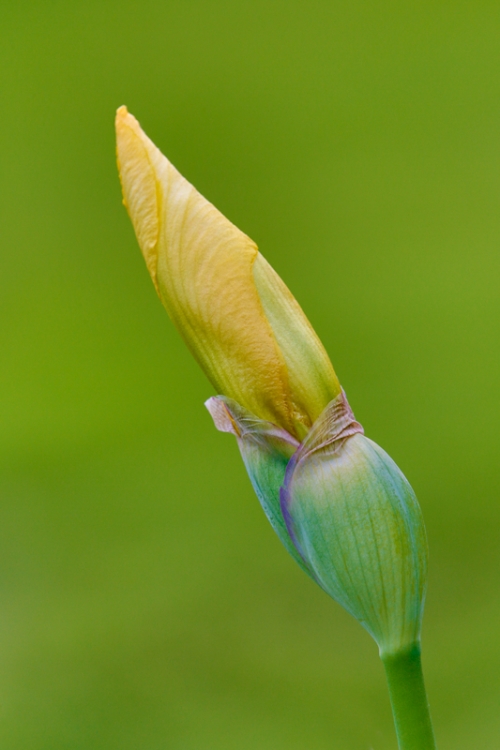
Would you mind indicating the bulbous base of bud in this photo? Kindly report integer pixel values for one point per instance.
(344, 511)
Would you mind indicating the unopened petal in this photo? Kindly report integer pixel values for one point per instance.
(312, 379)
(202, 266)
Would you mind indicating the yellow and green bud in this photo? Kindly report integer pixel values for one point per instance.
(339, 504)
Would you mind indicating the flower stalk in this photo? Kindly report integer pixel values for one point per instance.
(410, 707)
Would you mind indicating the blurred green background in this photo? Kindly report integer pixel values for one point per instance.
(144, 600)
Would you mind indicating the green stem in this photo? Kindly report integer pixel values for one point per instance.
(409, 700)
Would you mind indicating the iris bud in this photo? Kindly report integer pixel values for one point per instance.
(337, 501)
(339, 504)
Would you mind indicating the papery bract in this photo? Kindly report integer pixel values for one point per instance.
(357, 524)
(266, 450)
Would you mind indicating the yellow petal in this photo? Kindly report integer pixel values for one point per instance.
(311, 377)
(217, 290)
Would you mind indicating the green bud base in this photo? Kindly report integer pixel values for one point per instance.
(409, 700)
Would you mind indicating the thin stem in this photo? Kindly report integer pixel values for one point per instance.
(409, 700)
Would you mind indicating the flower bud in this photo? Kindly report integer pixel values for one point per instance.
(240, 321)
(339, 504)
